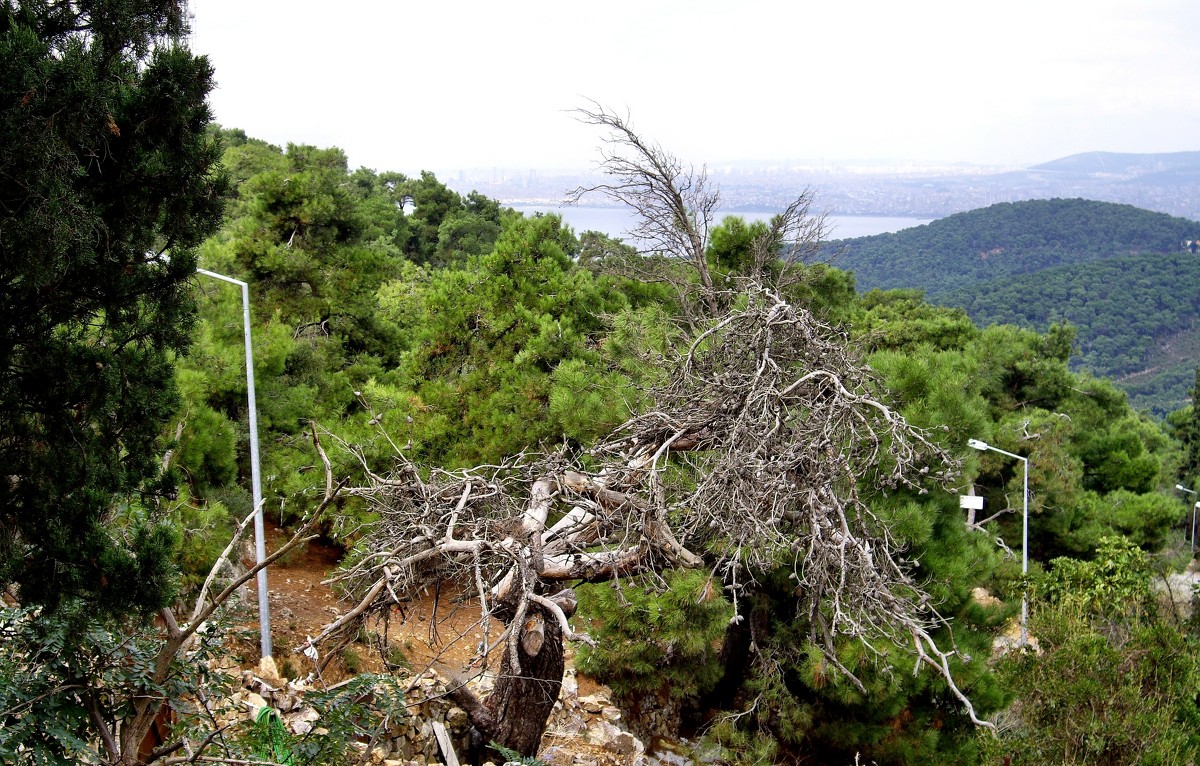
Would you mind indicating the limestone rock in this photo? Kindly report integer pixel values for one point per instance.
(301, 722)
(254, 702)
(984, 598)
(592, 703)
(623, 743)
(288, 701)
(615, 739)
(456, 719)
(268, 672)
(669, 758)
(1010, 640)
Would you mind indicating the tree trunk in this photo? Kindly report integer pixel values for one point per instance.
(515, 713)
(523, 697)
(742, 641)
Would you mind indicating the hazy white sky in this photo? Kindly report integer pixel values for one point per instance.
(444, 85)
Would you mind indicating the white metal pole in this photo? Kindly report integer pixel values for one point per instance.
(1195, 508)
(260, 547)
(1025, 553)
(979, 445)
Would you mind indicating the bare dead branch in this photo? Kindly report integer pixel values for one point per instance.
(555, 608)
(766, 448)
(674, 204)
(218, 565)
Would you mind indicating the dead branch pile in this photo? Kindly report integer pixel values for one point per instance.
(764, 450)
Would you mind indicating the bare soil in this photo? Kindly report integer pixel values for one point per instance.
(439, 629)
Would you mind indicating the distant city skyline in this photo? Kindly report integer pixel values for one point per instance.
(448, 86)
(1163, 182)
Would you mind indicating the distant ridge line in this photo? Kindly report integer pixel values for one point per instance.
(1123, 163)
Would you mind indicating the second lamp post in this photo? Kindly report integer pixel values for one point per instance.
(984, 446)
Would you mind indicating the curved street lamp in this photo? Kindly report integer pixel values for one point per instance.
(260, 548)
(984, 446)
(1195, 508)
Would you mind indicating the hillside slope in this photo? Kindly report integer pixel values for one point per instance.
(1129, 312)
(1121, 275)
(1125, 165)
(1006, 240)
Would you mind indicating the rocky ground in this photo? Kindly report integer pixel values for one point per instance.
(436, 634)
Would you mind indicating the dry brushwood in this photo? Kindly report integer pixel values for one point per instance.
(673, 205)
(753, 457)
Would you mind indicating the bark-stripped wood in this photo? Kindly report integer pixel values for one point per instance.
(775, 441)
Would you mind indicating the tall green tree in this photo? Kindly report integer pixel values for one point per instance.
(108, 179)
(503, 352)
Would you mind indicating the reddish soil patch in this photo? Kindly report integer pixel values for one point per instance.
(442, 629)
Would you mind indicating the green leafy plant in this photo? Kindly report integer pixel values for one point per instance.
(512, 756)
(353, 712)
(1114, 683)
(1116, 582)
(69, 681)
(269, 739)
(1115, 694)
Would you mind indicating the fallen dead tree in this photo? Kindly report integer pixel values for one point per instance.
(759, 452)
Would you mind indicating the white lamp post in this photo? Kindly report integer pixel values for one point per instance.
(1195, 508)
(260, 548)
(983, 446)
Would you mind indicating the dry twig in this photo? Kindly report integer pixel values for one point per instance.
(756, 454)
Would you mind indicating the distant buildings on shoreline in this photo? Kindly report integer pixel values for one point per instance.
(886, 190)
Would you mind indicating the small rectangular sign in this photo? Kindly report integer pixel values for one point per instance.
(971, 502)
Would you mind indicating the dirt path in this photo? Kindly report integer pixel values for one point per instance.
(440, 627)
(433, 627)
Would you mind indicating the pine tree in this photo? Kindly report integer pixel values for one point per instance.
(108, 179)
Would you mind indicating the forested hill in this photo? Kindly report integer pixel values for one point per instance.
(1121, 276)
(1135, 318)
(1006, 240)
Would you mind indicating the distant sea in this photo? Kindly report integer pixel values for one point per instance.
(616, 221)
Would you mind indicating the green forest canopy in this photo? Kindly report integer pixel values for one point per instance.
(446, 348)
(460, 332)
(1124, 278)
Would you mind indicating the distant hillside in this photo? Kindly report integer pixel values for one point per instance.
(1129, 165)
(1120, 274)
(1125, 308)
(1005, 240)
(1169, 373)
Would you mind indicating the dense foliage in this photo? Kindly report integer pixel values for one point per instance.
(660, 647)
(1124, 309)
(1121, 276)
(546, 338)
(1115, 682)
(402, 316)
(358, 327)
(1096, 468)
(1006, 240)
(108, 181)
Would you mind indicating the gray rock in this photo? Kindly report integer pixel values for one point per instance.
(592, 703)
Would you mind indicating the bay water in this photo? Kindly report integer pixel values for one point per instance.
(616, 221)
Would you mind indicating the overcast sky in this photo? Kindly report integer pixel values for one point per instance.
(443, 85)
